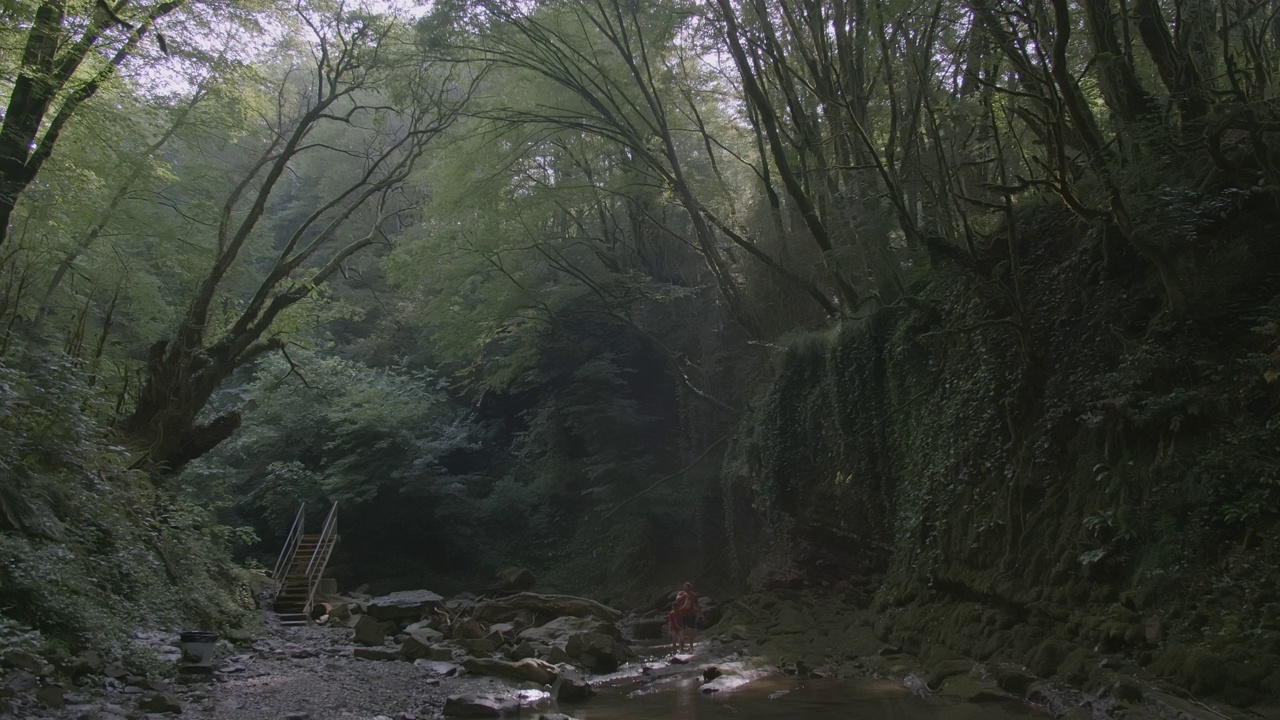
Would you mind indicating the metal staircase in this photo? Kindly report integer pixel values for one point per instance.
(300, 566)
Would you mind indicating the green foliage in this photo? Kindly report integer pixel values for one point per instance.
(324, 429)
(90, 550)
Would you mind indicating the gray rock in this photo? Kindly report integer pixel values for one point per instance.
(440, 653)
(569, 686)
(27, 662)
(597, 651)
(479, 706)
(522, 651)
(424, 633)
(557, 656)
(368, 631)
(406, 604)
(566, 626)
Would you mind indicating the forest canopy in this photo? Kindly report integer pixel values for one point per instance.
(519, 273)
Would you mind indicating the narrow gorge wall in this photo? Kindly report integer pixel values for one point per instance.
(1050, 460)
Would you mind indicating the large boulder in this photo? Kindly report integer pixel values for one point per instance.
(570, 686)
(369, 631)
(407, 604)
(529, 669)
(418, 642)
(598, 651)
(543, 608)
(561, 628)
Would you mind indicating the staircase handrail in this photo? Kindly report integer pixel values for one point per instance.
(290, 545)
(320, 556)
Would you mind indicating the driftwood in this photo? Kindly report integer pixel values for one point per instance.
(543, 607)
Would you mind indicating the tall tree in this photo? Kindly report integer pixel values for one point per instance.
(69, 51)
(368, 100)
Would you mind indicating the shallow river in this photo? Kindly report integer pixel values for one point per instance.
(781, 696)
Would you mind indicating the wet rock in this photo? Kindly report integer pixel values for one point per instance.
(479, 706)
(115, 671)
(597, 651)
(161, 703)
(723, 683)
(406, 604)
(711, 673)
(569, 686)
(368, 631)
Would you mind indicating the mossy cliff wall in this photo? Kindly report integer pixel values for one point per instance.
(1059, 448)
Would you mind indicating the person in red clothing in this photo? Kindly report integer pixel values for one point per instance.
(684, 616)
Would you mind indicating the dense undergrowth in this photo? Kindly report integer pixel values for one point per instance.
(91, 550)
(1060, 447)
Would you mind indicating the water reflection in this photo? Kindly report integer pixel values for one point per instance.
(785, 697)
